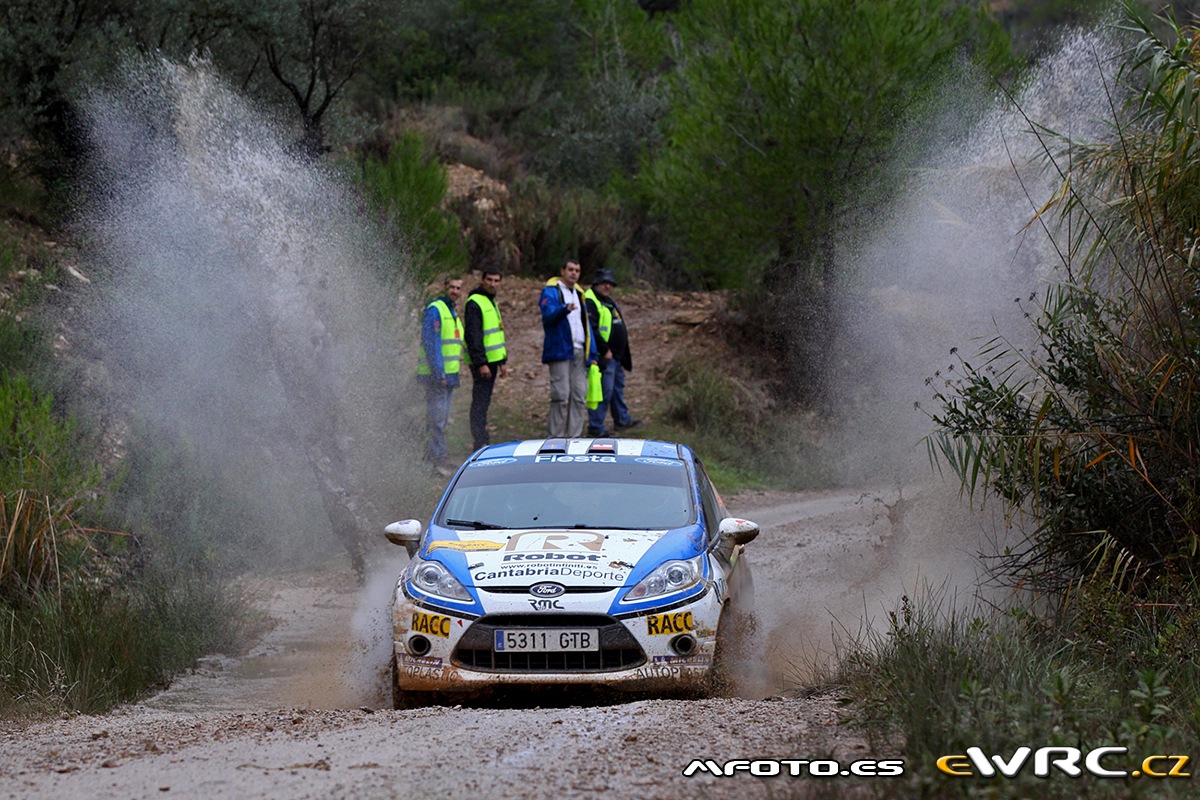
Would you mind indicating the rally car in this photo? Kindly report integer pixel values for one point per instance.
(571, 561)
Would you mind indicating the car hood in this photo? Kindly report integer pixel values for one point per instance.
(593, 557)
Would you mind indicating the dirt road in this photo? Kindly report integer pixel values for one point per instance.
(304, 715)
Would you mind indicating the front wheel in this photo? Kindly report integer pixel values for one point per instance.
(403, 698)
(736, 634)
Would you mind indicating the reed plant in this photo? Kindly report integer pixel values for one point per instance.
(1095, 430)
(88, 617)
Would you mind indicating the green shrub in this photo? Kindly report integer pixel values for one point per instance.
(551, 223)
(407, 186)
(740, 430)
(37, 450)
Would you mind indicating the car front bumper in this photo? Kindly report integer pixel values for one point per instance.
(667, 649)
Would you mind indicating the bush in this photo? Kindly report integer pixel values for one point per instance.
(1097, 428)
(551, 223)
(743, 433)
(406, 186)
(941, 680)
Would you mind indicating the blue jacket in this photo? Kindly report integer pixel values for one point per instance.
(557, 345)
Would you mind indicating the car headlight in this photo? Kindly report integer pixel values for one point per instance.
(432, 578)
(667, 578)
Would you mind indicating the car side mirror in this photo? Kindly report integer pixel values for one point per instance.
(738, 531)
(407, 533)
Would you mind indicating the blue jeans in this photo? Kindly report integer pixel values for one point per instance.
(437, 409)
(620, 412)
(612, 384)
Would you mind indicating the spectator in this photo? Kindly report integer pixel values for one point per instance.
(485, 349)
(568, 350)
(612, 342)
(438, 364)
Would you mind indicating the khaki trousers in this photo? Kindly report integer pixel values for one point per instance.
(568, 397)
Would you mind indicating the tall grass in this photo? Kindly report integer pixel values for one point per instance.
(939, 680)
(86, 646)
(88, 618)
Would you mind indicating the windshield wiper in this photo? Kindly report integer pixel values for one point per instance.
(476, 524)
(582, 526)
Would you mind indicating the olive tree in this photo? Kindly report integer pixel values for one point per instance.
(778, 111)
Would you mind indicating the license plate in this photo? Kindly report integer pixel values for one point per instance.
(548, 640)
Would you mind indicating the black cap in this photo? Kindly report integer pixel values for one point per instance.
(604, 275)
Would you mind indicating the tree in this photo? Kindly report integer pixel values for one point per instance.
(312, 49)
(44, 49)
(308, 50)
(613, 113)
(781, 113)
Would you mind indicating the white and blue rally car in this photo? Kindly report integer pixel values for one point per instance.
(571, 561)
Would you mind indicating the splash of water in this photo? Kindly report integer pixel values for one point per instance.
(947, 264)
(245, 306)
(940, 269)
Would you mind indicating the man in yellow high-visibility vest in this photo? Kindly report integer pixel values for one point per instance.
(485, 349)
(438, 364)
(612, 342)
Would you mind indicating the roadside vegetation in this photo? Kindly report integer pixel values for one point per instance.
(90, 614)
(713, 144)
(1091, 436)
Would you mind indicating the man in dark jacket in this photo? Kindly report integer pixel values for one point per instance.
(568, 349)
(615, 357)
(484, 333)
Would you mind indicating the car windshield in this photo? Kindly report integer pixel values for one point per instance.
(617, 494)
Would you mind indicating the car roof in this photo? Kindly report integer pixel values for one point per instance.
(647, 448)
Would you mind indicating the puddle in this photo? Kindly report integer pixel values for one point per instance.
(312, 658)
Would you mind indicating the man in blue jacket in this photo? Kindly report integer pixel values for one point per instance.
(568, 350)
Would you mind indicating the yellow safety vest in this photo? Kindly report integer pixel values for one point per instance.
(451, 342)
(604, 326)
(493, 328)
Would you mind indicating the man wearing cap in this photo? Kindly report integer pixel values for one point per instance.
(485, 348)
(438, 363)
(612, 344)
(569, 349)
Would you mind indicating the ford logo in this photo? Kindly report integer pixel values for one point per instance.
(492, 462)
(546, 590)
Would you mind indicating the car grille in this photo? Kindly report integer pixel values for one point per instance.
(524, 589)
(618, 649)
